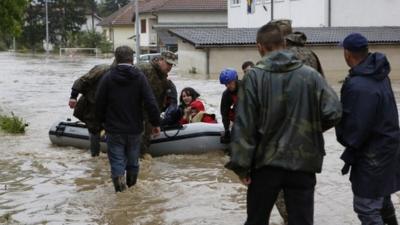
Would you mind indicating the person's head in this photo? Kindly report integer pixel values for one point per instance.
(355, 48)
(296, 39)
(188, 95)
(269, 38)
(285, 25)
(246, 66)
(124, 54)
(196, 107)
(166, 61)
(228, 77)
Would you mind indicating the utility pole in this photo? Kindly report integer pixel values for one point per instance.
(47, 31)
(137, 21)
(272, 9)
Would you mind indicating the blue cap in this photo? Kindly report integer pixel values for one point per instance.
(354, 42)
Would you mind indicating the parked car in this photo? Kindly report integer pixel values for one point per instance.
(146, 57)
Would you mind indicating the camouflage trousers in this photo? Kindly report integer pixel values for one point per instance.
(281, 206)
(145, 144)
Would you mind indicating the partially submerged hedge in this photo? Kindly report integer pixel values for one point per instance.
(12, 124)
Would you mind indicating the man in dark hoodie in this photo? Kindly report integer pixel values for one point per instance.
(283, 109)
(370, 132)
(121, 94)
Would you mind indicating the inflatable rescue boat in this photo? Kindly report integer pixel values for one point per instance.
(194, 138)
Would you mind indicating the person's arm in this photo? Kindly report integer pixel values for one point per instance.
(101, 99)
(150, 103)
(330, 106)
(75, 90)
(244, 142)
(226, 102)
(319, 66)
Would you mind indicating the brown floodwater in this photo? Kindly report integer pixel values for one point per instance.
(45, 184)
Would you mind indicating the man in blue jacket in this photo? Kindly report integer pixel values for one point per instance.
(369, 130)
(121, 94)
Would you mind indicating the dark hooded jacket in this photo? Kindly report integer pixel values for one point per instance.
(121, 94)
(370, 128)
(283, 109)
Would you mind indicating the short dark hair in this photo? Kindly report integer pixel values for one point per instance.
(270, 36)
(124, 54)
(188, 91)
(247, 64)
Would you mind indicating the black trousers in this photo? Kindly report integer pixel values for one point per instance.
(298, 188)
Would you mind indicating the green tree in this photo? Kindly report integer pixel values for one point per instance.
(107, 7)
(65, 16)
(34, 30)
(11, 16)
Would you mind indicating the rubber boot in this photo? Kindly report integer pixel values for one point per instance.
(131, 178)
(94, 139)
(119, 183)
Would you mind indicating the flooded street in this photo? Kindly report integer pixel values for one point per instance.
(44, 184)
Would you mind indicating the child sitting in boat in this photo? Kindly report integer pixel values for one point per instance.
(198, 113)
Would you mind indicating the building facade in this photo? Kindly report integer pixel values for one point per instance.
(314, 13)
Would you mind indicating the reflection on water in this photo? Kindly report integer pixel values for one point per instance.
(44, 184)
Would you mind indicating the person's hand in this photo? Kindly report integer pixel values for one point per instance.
(72, 103)
(187, 111)
(246, 180)
(156, 131)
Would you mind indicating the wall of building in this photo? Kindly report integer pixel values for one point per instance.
(314, 13)
(148, 38)
(331, 57)
(303, 13)
(365, 13)
(222, 58)
(189, 58)
(192, 17)
(336, 69)
(121, 36)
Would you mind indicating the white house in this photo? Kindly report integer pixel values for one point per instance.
(91, 23)
(314, 13)
(157, 16)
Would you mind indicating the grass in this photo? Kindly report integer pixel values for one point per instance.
(12, 124)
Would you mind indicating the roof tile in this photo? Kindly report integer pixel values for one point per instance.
(125, 14)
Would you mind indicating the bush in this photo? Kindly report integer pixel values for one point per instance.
(93, 40)
(12, 124)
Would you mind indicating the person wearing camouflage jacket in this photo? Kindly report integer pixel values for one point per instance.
(84, 108)
(156, 72)
(283, 109)
(295, 42)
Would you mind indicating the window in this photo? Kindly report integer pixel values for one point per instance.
(143, 26)
(235, 2)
